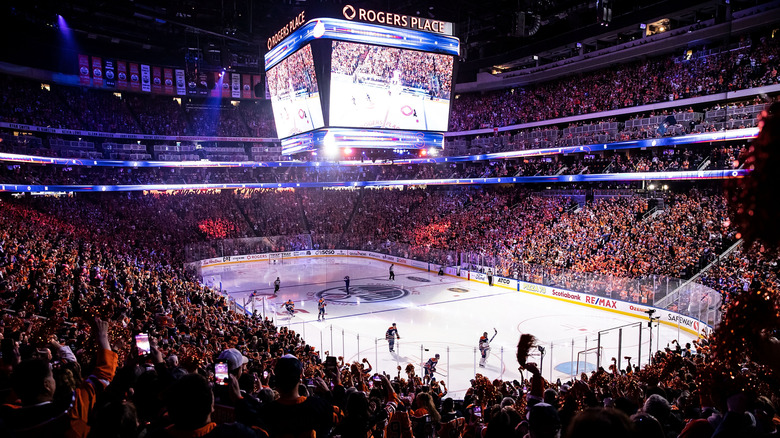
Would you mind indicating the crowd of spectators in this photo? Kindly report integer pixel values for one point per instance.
(633, 84)
(81, 276)
(57, 106)
(391, 67)
(293, 74)
(694, 157)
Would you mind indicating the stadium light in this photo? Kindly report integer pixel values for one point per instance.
(319, 29)
(347, 151)
(329, 146)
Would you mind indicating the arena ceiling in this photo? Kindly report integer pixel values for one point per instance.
(492, 32)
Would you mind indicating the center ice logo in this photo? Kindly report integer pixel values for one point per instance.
(365, 293)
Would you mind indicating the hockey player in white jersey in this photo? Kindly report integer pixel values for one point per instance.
(484, 346)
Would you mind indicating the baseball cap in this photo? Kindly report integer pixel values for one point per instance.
(234, 358)
(543, 417)
(288, 367)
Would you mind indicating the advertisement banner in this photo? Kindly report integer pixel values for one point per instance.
(84, 70)
(246, 86)
(109, 73)
(135, 77)
(236, 85)
(146, 78)
(202, 85)
(156, 80)
(168, 81)
(121, 75)
(224, 84)
(217, 90)
(258, 80)
(97, 72)
(181, 83)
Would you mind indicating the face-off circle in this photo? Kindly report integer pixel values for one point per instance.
(364, 293)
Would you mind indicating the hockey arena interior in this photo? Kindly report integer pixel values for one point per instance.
(527, 218)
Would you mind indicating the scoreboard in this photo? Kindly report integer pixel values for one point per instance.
(343, 83)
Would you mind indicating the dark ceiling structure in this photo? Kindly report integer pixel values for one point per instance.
(233, 32)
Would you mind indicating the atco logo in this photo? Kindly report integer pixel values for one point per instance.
(365, 293)
(502, 280)
(349, 12)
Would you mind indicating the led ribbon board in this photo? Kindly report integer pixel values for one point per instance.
(616, 177)
(736, 134)
(331, 28)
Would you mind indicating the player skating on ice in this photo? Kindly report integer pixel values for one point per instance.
(290, 307)
(392, 273)
(276, 286)
(321, 307)
(430, 368)
(391, 335)
(346, 283)
(484, 346)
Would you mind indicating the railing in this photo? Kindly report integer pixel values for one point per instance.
(248, 245)
(678, 295)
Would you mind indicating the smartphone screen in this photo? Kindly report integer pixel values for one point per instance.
(265, 374)
(142, 343)
(477, 411)
(377, 378)
(221, 372)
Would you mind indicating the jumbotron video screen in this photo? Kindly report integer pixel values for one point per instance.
(389, 88)
(295, 95)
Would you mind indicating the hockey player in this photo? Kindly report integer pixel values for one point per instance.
(321, 307)
(276, 286)
(430, 367)
(392, 273)
(484, 346)
(391, 335)
(290, 307)
(346, 283)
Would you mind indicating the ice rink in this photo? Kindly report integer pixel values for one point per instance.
(444, 315)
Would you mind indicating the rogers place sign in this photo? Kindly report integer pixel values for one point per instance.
(287, 29)
(392, 19)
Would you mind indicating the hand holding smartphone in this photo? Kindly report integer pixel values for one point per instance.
(142, 344)
(221, 372)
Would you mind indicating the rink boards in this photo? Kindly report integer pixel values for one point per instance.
(666, 317)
